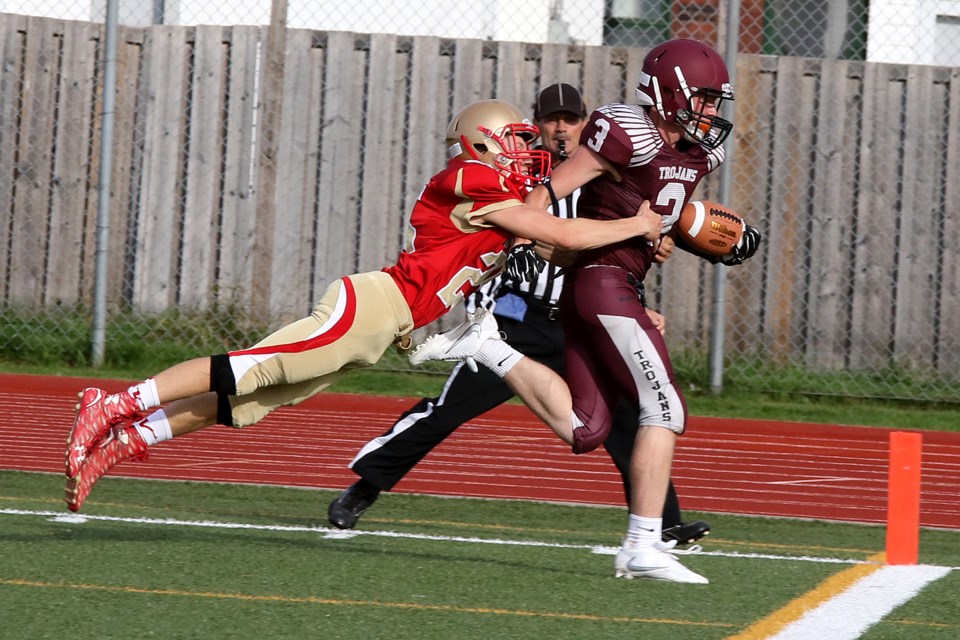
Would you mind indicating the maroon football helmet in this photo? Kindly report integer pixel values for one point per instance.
(676, 72)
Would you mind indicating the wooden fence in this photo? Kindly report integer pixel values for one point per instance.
(231, 186)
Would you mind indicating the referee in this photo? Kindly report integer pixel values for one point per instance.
(528, 316)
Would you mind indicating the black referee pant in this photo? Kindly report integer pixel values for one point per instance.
(467, 395)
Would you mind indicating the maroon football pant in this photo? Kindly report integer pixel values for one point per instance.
(613, 351)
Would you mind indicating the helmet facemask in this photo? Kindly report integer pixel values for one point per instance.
(508, 150)
(701, 128)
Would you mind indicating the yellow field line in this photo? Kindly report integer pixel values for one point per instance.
(794, 610)
(358, 603)
(919, 623)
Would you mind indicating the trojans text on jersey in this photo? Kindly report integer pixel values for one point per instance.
(686, 174)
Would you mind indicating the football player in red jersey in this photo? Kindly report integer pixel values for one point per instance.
(524, 300)
(657, 151)
(463, 224)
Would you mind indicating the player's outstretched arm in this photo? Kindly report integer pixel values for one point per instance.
(575, 234)
(583, 166)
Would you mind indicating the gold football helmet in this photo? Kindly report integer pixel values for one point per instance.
(495, 132)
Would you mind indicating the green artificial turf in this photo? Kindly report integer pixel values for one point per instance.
(198, 560)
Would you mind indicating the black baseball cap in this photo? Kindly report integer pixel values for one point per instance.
(559, 97)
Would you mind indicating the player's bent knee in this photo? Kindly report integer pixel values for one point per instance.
(677, 428)
(586, 439)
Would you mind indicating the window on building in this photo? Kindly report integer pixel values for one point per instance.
(636, 23)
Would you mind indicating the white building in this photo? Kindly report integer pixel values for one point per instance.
(914, 32)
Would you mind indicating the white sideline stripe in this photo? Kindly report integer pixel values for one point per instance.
(331, 533)
(849, 614)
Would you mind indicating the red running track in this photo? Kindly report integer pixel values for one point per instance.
(731, 466)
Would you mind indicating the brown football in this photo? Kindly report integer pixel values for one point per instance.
(710, 227)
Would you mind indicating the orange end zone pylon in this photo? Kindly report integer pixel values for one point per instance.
(903, 498)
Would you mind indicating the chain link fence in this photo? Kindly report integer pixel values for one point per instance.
(257, 151)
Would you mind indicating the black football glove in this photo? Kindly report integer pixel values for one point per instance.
(743, 250)
(523, 263)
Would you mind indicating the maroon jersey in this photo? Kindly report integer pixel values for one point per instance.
(451, 250)
(649, 170)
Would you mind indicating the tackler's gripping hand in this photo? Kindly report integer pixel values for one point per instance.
(744, 250)
(523, 263)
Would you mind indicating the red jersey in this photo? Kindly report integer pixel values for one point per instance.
(649, 170)
(451, 251)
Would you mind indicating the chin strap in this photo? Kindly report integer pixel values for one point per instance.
(465, 144)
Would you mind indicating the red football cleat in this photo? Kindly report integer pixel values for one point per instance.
(97, 412)
(121, 443)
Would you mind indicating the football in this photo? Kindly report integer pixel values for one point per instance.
(709, 227)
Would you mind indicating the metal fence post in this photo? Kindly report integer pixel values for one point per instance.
(103, 186)
(717, 324)
(270, 109)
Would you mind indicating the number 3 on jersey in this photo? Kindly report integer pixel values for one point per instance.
(603, 128)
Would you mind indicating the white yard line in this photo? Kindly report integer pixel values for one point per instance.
(331, 533)
(866, 602)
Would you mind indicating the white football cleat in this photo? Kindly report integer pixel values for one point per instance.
(460, 343)
(654, 564)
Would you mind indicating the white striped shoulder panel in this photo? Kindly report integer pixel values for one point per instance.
(714, 158)
(635, 122)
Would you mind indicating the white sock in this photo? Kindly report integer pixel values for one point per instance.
(643, 532)
(146, 394)
(155, 428)
(498, 356)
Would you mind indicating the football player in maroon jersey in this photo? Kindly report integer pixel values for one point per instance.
(524, 300)
(657, 152)
(462, 225)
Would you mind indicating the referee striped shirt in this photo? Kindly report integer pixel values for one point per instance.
(547, 285)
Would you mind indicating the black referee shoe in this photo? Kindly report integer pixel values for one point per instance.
(686, 533)
(347, 508)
